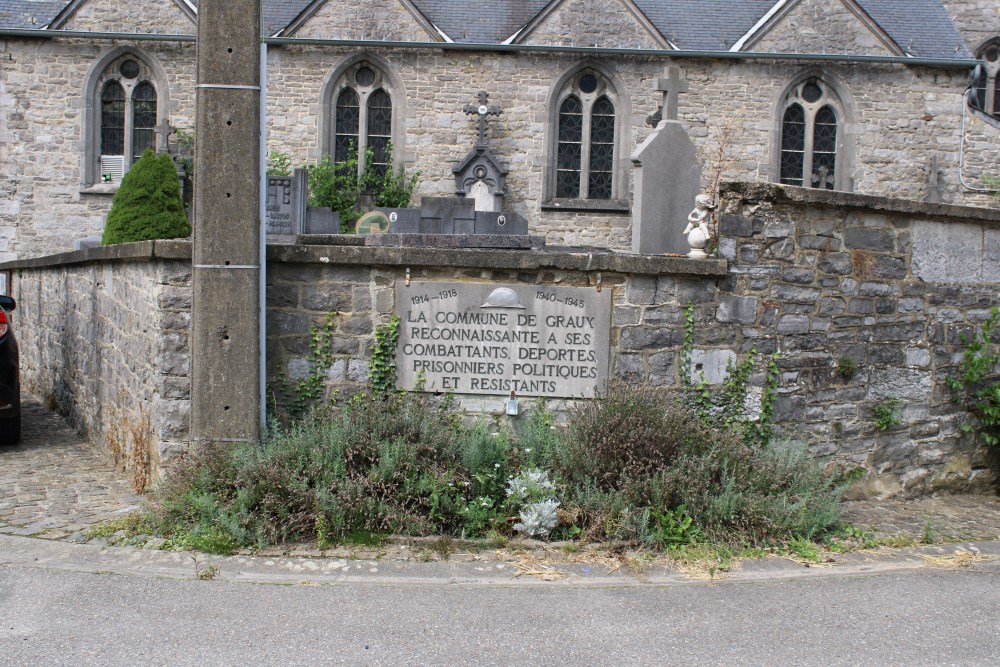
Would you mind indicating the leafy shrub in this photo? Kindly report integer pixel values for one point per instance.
(747, 494)
(886, 413)
(977, 382)
(148, 203)
(339, 185)
(632, 466)
(625, 438)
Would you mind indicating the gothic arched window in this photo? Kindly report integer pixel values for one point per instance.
(986, 91)
(362, 117)
(809, 137)
(126, 99)
(586, 151)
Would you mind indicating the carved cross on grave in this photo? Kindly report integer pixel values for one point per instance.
(482, 110)
(164, 130)
(671, 86)
(822, 178)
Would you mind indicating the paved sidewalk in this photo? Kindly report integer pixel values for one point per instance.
(54, 484)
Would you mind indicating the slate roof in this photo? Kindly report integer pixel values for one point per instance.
(480, 21)
(19, 13)
(922, 28)
(704, 25)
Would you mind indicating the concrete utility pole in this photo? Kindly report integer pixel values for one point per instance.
(226, 307)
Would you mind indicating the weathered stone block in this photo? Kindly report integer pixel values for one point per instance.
(640, 290)
(795, 294)
(799, 276)
(737, 309)
(629, 368)
(711, 365)
(865, 238)
(838, 263)
(793, 324)
(735, 225)
(661, 369)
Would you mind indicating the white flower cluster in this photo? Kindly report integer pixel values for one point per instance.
(538, 519)
(532, 493)
(530, 485)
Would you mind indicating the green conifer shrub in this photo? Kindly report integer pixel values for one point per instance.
(148, 203)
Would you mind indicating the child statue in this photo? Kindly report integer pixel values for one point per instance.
(699, 228)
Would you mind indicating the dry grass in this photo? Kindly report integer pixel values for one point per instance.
(129, 436)
(961, 558)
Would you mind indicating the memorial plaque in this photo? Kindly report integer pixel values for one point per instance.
(279, 205)
(285, 206)
(484, 338)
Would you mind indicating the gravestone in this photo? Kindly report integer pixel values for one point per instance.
(479, 176)
(286, 203)
(485, 338)
(447, 215)
(288, 214)
(500, 223)
(667, 179)
(402, 220)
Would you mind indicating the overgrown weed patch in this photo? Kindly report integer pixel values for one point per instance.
(634, 468)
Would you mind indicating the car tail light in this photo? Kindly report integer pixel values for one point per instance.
(3, 323)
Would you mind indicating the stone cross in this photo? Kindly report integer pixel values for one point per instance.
(822, 178)
(163, 131)
(482, 110)
(671, 86)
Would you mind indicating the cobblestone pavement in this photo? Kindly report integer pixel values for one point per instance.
(54, 484)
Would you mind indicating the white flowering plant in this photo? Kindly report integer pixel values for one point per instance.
(532, 495)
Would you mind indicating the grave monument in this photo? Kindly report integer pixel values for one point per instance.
(667, 177)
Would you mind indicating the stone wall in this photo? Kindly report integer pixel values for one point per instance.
(899, 117)
(103, 335)
(818, 277)
(44, 207)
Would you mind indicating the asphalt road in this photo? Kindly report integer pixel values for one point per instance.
(54, 612)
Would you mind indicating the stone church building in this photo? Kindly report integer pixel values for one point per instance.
(898, 98)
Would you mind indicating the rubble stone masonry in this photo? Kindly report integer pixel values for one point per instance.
(818, 277)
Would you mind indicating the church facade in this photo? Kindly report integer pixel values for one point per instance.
(897, 98)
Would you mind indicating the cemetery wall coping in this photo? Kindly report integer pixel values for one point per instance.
(777, 194)
(579, 260)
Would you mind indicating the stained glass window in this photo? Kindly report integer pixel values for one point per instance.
(585, 148)
(570, 150)
(985, 94)
(347, 123)
(379, 128)
(809, 140)
(113, 119)
(793, 145)
(824, 148)
(143, 119)
(362, 118)
(602, 149)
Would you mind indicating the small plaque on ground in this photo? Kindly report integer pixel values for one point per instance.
(485, 338)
